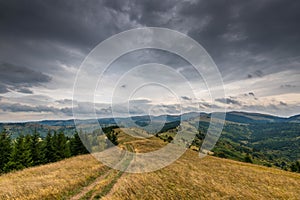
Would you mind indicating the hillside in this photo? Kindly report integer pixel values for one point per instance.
(189, 177)
(268, 140)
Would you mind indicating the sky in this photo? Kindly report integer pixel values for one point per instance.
(255, 45)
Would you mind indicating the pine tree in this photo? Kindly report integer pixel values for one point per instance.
(35, 149)
(20, 157)
(5, 149)
(62, 149)
(77, 146)
(55, 146)
(48, 149)
(27, 161)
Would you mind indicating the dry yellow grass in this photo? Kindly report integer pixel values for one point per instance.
(51, 181)
(209, 178)
(187, 178)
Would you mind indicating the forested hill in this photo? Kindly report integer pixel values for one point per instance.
(265, 139)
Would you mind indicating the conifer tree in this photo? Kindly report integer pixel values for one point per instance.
(48, 149)
(61, 146)
(77, 146)
(20, 157)
(55, 147)
(5, 149)
(35, 149)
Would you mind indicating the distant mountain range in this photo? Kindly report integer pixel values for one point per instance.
(68, 125)
(238, 117)
(268, 138)
(250, 118)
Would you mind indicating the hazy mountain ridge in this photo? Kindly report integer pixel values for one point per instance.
(68, 126)
(244, 117)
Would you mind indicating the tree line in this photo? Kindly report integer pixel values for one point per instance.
(32, 150)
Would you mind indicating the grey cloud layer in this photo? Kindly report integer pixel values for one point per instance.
(20, 78)
(238, 34)
(42, 43)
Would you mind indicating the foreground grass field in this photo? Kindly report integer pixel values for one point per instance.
(189, 177)
(209, 178)
(52, 181)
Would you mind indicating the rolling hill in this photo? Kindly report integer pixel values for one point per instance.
(269, 140)
(189, 177)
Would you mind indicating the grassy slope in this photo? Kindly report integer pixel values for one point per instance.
(188, 178)
(192, 178)
(51, 181)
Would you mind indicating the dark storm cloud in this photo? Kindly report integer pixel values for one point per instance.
(44, 35)
(246, 39)
(263, 24)
(248, 35)
(20, 78)
(266, 28)
(241, 36)
(74, 23)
